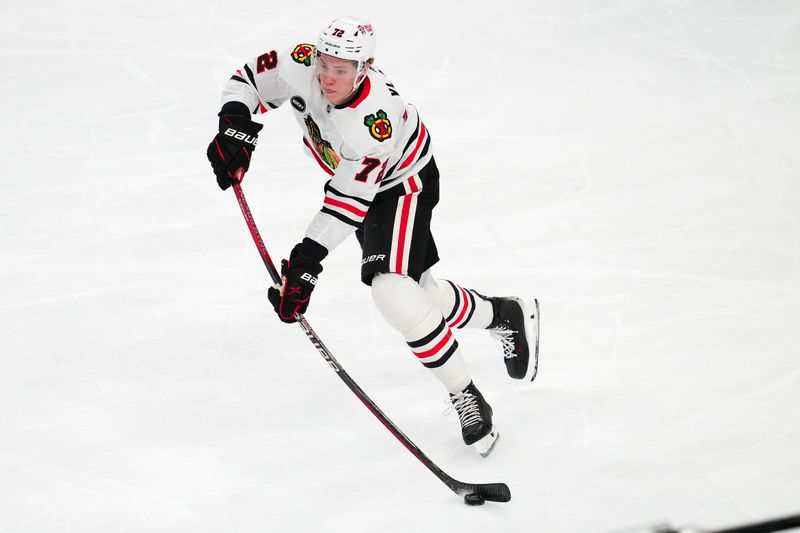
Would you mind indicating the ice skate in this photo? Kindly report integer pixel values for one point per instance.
(516, 328)
(476, 419)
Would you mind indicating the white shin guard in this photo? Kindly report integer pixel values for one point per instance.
(405, 306)
(462, 308)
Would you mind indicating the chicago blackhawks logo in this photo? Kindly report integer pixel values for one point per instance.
(379, 125)
(320, 145)
(302, 54)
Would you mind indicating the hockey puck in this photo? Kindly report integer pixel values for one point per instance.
(474, 499)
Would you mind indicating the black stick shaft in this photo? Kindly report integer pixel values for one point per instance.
(780, 524)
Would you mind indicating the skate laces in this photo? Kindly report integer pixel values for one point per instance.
(466, 405)
(505, 338)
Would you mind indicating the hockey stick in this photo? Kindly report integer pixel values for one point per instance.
(474, 494)
(769, 526)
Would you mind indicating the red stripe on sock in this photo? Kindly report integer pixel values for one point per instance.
(435, 349)
(465, 301)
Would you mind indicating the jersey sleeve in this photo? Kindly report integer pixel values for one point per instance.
(259, 84)
(348, 196)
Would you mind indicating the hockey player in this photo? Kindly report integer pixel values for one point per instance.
(383, 185)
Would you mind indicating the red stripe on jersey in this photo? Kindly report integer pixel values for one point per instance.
(364, 93)
(439, 346)
(465, 301)
(401, 237)
(314, 153)
(337, 203)
(261, 107)
(423, 133)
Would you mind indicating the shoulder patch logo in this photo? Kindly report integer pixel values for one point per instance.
(302, 54)
(379, 125)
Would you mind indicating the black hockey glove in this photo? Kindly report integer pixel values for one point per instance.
(233, 146)
(299, 275)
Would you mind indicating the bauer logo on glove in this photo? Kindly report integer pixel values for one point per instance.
(309, 278)
(299, 278)
(242, 136)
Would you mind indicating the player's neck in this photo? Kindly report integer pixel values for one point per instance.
(354, 95)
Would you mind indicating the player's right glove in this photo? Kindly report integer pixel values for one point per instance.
(233, 146)
(299, 277)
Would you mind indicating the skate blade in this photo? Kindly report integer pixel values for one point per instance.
(485, 446)
(532, 334)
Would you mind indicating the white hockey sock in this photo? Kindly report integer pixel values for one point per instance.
(462, 308)
(436, 347)
(405, 306)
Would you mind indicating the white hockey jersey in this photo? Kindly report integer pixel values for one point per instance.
(366, 145)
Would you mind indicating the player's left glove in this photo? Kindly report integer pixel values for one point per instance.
(299, 277)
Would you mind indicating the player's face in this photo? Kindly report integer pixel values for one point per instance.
(336, 77)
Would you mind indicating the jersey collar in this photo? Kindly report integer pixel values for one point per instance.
(361, 93)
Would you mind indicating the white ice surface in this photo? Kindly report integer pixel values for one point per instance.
(634, 165)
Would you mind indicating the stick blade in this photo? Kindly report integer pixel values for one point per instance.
(491, 492)
(494, 492)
